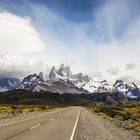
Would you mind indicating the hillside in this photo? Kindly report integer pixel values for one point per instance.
(44, 98)
(36, 98)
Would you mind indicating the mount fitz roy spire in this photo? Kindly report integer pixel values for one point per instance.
(63, 73)
(68, 72)
(52, 74)
(41, 75)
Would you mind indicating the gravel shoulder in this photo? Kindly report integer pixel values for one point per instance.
(93, 127)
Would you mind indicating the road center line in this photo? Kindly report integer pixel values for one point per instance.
(35, 126)
(74, 129)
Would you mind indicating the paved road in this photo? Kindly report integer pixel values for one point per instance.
(58, 125)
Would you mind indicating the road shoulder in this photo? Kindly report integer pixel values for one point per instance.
(94, 127)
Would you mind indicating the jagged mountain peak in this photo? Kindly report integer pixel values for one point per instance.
(32, 79)
(52, 74)
(79, 77)
(68, 72)
(129, 80)
(63, 73)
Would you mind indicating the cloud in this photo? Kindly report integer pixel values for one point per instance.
(113, 71)
(105, 40)
(18, 35)
(130, 66)
(19, 44)
(96, 74)
(19, 66)
(110, 40)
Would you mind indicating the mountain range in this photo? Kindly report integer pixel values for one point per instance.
(9, 83)
(62, 80)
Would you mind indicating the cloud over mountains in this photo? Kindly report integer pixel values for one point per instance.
(18, 41)
(106, 45)
(130, 66)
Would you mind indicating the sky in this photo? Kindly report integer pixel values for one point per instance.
(100, 38)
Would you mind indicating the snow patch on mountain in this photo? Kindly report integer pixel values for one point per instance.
(31, 80)
(130, 80)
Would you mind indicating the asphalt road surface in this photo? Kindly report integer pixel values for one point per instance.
(72, 123)
(58, 125)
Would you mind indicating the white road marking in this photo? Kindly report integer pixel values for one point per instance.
(74, 129)
(35, 126)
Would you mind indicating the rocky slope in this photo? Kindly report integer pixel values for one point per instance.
(36, 83)
(131, 89)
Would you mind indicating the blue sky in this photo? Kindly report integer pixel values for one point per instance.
(98, 37)
(77, 11)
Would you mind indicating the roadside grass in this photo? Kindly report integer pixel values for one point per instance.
(8, 111)
(127, 116)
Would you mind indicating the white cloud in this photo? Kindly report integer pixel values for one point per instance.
(19, 44)
(113, 44)
(113, 71)
(130, 66)
(19, 66)
(17, 35)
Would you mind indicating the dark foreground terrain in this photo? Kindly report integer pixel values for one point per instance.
(31, 115)
(25, 97)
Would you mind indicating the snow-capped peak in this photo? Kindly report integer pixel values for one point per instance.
(31, 79)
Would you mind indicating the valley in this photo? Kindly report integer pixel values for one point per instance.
(103, 107)
(98, 112)
(69, 69)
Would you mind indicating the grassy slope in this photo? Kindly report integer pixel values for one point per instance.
(8, 111)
